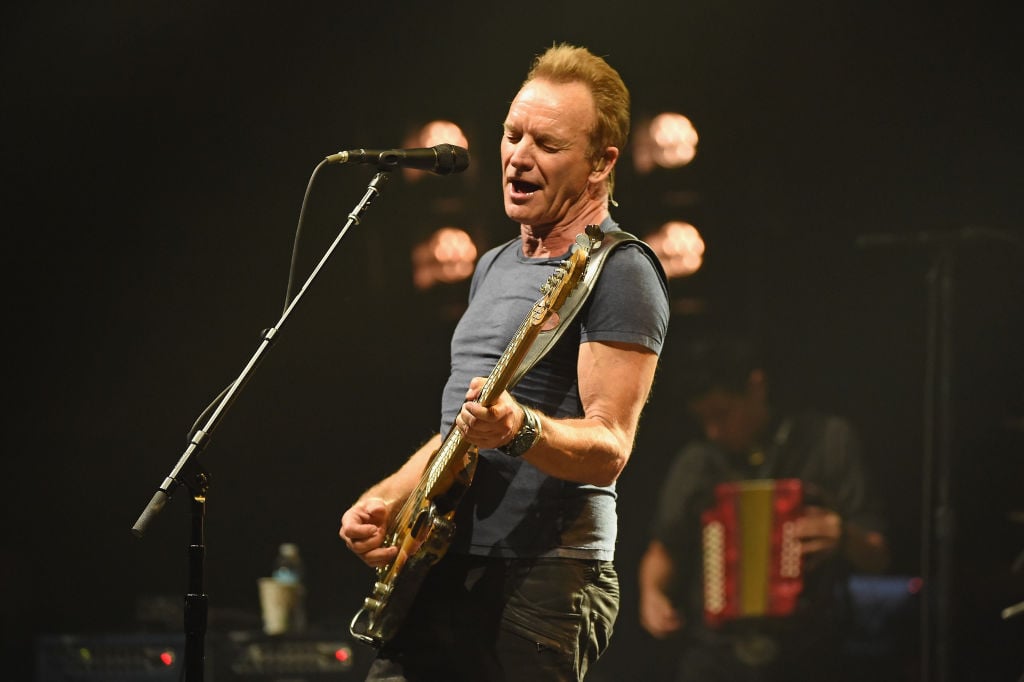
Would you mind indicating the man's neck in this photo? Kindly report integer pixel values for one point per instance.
(554, 240)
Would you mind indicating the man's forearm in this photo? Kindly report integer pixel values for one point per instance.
(396, 488)
(866, 550)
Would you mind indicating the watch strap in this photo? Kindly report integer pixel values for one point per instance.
(527, 436)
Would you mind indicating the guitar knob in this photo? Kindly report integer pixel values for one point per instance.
(381, 589)
(371, 604)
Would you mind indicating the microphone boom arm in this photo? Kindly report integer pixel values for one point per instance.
(202, 435)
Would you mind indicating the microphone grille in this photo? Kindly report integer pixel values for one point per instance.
(451, 159)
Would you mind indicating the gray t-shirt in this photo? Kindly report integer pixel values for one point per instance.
(512, 509)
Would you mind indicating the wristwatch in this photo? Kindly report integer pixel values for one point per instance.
(527, 436)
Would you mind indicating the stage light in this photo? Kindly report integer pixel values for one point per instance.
(679, 247)
(669, 140)
(447, 256)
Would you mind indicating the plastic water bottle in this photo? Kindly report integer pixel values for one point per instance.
(289, 570)
(288, 566)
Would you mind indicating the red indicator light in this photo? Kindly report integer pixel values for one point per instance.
(342, 655)
(167, 658)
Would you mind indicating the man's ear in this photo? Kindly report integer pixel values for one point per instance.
(604, 165)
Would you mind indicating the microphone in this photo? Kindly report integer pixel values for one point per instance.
(441, 159)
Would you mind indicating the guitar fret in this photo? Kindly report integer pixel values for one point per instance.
(490, 386)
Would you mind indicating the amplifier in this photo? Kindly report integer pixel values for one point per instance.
(230, 657)
(255, 657)
(111, 658)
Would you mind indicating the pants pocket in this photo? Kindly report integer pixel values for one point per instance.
(600, 610)
(540, 648)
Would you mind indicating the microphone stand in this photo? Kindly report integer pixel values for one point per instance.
(938, 512)
(189, 471)
(196, 602)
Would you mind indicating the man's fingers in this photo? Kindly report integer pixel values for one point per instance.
(380, 556)
(375, 510)
(361, 532)
(475, 384)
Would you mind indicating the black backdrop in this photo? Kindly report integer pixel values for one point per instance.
(155, 156)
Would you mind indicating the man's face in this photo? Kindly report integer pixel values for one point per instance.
(544, 153)
(731, 420)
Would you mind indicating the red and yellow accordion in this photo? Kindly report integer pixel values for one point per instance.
(752, 564)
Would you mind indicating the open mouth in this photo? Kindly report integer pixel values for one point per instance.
(523, 187)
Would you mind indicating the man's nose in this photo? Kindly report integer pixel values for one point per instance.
(522, 155)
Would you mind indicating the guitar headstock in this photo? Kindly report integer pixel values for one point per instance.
(568, 275)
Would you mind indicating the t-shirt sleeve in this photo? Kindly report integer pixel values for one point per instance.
(629, 303)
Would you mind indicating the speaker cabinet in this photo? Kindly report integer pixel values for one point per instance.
(230, 657)
(110, 658)
(255, 657)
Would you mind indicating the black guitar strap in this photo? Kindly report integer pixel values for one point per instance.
(546, 339)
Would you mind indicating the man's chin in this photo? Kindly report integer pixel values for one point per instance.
(518, 213)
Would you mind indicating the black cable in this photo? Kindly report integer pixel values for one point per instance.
(288, 294)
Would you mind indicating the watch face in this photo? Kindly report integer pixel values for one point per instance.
(519, 444)
(525, 437)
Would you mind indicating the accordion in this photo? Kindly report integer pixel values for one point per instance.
(752, 565)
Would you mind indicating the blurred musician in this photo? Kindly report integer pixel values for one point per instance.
(839, 528)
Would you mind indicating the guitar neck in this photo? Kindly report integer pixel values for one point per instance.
(454, 447)
(498, 380)
(501, 375)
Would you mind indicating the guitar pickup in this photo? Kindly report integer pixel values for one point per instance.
(417, 525)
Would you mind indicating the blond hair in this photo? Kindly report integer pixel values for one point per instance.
(564, 63)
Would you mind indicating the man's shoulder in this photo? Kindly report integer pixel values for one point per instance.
(633, 258)
(495, 251)
(817, 423)
(698, 454)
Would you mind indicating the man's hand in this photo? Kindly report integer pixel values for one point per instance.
(488, 427)
(363, 528)
(657, 615)
(820, 532)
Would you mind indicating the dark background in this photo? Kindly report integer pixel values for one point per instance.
(155, 157)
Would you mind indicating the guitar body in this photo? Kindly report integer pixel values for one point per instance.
(393, 593)
(423, 532)
(424, 527)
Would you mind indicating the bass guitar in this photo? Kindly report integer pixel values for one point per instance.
(423, 528)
